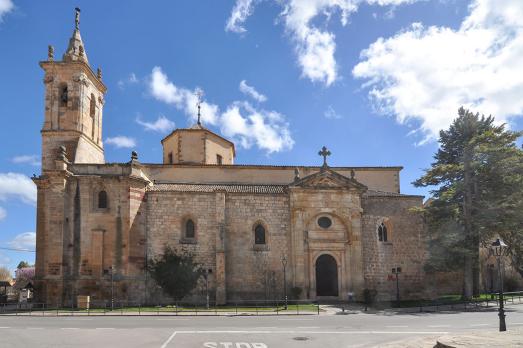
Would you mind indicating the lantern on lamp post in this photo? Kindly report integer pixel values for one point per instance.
(499, 249)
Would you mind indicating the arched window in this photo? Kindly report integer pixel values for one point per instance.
(259, 234)
(64, 95)
(382, 232)
(102, 200)
(189, 229)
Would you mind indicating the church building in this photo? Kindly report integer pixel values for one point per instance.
(327, 231)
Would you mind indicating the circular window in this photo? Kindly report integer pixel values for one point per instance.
(324, 222)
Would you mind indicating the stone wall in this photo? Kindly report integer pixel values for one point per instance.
(375, 178)
(255, 271)
(166, 215)
(405, 248)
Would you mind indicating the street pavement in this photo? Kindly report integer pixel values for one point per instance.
(355, 329)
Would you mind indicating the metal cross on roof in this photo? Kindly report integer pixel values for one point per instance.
(199, 94)
(324, 152)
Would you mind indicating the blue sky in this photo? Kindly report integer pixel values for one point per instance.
(373, 80)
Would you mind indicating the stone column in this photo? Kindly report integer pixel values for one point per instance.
(221, 293)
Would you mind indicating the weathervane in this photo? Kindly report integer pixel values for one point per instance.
(324, 152)
(77, 18)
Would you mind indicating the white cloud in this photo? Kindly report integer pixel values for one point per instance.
(33, 160)
(184, 99)
(427, 73)
(16, 185)
(161, 125)
(129, 80)
(3, 213)
(314, 46)
(331, 114)
(25, 241)
(251, 92)
(6, 6)
(121, 141)
(240, 12)
(268, 130)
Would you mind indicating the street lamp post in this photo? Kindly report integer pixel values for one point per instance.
(498, 248)
(112, 287)
(396, 271)
(284, 263)
(206, 275)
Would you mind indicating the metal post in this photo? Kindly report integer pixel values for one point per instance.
(112, 288)
(284, 263)
(501, 314)
(207, 287)
(396, 271)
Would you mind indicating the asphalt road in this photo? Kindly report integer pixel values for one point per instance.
(352, 330)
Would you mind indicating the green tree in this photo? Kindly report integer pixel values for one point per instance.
(476, 172)
(23, 264)
(175, 272)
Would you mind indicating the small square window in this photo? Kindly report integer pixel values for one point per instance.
(219, 159)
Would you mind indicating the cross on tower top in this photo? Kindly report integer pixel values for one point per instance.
(324, 152)
(199, 94)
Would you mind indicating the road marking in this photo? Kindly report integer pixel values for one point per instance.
(168, 340)
(396, 326)
(265, 327)
(4, 327)
(309, 332)
(479, 324)
(438, 325)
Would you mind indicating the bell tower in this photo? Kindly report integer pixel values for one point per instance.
(74, 98)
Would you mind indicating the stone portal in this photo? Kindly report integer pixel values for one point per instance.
(326, 276)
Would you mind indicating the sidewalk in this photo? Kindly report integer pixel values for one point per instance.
(478, 338)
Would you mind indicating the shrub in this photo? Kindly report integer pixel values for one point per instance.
(296, 292)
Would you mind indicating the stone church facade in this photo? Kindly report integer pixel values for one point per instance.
(339, 229)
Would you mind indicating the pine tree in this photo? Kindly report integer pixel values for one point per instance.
(477, 175)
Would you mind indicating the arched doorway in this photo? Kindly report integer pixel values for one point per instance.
(326, 276)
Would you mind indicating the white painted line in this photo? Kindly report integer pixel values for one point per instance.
(438, 325)
(4, 327)
(168, 340)
(396, 326)
(311, 332)
(264, 327)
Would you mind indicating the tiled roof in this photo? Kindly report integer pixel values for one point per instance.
(230, 188)
(373, 193)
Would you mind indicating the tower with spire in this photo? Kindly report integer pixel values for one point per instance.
(74, 98)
